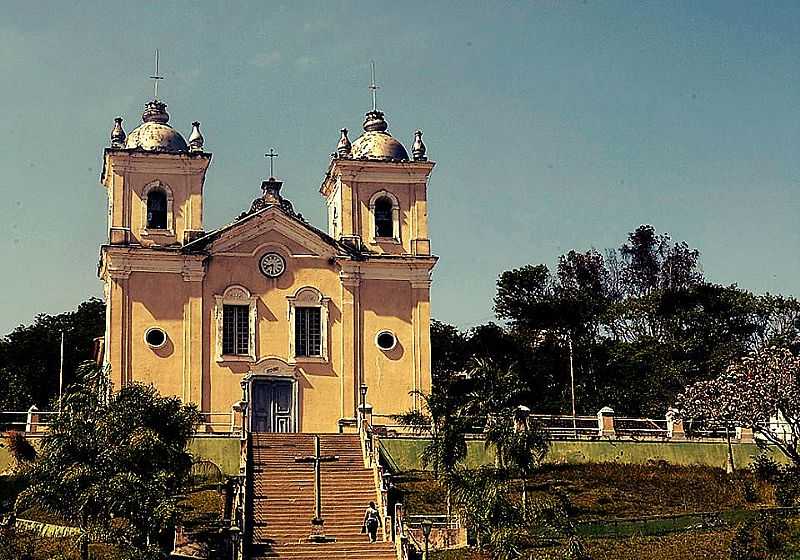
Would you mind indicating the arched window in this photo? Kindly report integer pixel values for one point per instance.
(156, 209)
(384, 222)
(308, 321)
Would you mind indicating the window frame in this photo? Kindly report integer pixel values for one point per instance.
(396, 236)
(163, 187)
(300, 311)
(304, 298)
(236, 295)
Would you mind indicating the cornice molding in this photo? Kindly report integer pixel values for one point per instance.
(271, 220)
(364, 171)
(170, 164)
(119, 260)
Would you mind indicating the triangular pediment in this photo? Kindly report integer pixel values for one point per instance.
(271, 226)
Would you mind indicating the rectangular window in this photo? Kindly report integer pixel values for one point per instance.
(236, 329)
(307, 332)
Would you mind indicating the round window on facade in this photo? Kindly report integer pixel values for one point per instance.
(155, 337)
(386, 340)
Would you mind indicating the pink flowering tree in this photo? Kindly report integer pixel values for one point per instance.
(750, 394)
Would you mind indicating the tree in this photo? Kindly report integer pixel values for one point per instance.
(114, 466)
(30, 354)
(643, 322)
(520, 445)
(752, 392)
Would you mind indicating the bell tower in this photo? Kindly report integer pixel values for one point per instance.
(154, 180)
(377, 196)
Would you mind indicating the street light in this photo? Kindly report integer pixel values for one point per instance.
(363, 392)
(235, 535)
(426, 532)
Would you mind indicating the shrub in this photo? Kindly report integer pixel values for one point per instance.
(787, 486)
(749, 492)
(759, 538)
(21, 449)
(576, 550)
(765, 467)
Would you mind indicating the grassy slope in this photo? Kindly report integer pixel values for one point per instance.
(614, 490)
(687, 546)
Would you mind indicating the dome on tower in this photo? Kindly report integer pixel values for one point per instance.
(154, 134)
(376, 143)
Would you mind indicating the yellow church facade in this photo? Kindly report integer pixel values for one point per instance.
(269, 313)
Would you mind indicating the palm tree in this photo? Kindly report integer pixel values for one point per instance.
(520, 445)
(114, 468)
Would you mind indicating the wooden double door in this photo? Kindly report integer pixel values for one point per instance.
(273, 406)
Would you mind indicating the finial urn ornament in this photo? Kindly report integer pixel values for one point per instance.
(418, 149)
(196, 138)
(117, 134)
(374, 122)
(155, 111)
(344, 148)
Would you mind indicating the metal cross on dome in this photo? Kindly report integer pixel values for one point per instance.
(374, 87)
(155, 77)
(271, 155)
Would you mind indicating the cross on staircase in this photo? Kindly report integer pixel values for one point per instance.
(317, 531)
(283, 492)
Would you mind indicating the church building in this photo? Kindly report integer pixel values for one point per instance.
(268, 312)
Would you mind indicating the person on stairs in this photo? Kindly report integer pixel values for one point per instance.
(372, 520)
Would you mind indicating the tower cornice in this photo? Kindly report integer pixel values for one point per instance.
(404, 172)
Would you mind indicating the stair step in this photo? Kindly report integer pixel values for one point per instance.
(283, 498)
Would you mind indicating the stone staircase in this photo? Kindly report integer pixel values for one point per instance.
(282, 499)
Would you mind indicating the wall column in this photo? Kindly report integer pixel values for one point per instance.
(350, 344)
(421, 324)
(192, 386)
(118, 327)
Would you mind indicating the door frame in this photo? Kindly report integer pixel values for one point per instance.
(271, 370)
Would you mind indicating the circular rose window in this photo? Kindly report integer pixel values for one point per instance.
(155, 337)
(386, 340)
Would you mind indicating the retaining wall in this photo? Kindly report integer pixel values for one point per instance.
(405, 452)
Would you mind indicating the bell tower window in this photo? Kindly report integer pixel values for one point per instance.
(384, 226)
(385, 217)
(156, 209)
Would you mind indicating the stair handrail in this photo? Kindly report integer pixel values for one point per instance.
(369, 446)
(405, 542)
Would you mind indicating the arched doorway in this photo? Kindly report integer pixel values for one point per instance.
(271, 392)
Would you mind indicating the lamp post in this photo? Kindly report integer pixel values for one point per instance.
(572, 386)
(362, 391)
(235, 535)
(426, 532)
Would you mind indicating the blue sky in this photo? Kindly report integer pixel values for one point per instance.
(555, 125)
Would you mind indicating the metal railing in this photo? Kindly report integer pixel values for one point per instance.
(438, 521)
(646, 427)
(30, 421)
(33, 421)
(568, 427)
(605, 425)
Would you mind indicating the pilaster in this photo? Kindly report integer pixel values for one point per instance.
(193, 339)
(350, 343)
(118, 319)
(422, 324)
